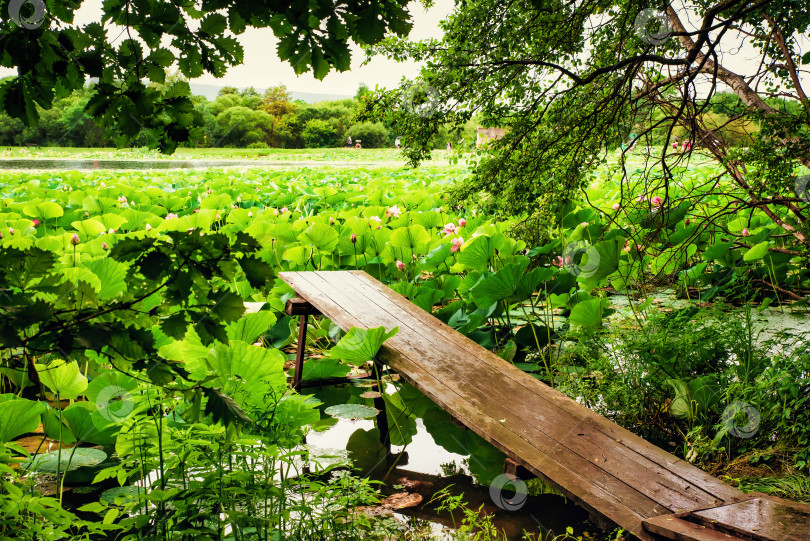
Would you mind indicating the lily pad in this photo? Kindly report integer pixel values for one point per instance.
(81, 457)
(351, 411)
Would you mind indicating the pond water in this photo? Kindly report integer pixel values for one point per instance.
(82, 164)
(434, 453)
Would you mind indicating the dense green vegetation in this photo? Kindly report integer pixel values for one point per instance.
(235, 119)
(125, 336)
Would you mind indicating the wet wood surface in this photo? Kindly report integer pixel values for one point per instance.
(613, 473)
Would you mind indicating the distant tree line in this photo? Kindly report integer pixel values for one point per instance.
(237, 118)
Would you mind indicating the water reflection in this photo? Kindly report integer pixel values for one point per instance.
(430, 453)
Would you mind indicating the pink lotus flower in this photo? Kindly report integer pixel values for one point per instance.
(275, 212)
(557, 262)
(626, 247)
(400, 265)
(105, 246)
(284, 209)
(616, 206)
(393, 212)
(74, 240)
(457, 242)
(353, 238)
(745, 232)
(462, 222)
(36, 222)
(656, 201)
(449, 229)
(171, 215)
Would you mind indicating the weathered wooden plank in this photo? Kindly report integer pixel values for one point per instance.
(587, 483)
(632, 443)
(655, 482)
(763, 519)
(678, 529)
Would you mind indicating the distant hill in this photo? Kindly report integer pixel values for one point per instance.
(211, 91)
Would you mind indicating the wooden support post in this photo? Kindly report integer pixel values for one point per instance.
(302, 308)
(516, 469)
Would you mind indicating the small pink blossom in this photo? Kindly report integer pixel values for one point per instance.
(105, 246)
(11, 230)
(584, 224)
(250, 214)
(400, 265)
(171, 215)
(219, 217)
(74, 240)
(557, 262)
(656, 201)
(393, 212)
(275, 212)
(36, 222)
(457, 242)
(616, 206)
(449, 229)
(111, 231)
(284, 209)
(148, 227)
(745, 232)
(462, 222)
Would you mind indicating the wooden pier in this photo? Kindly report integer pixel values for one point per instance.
(619, 477)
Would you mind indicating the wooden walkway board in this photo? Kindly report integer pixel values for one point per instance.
(607, 469)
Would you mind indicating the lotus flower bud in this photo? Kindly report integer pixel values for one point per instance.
(353, 238)
(74, 240)
(239, 199)
(616, 206)
(250, 214)
(400, 265)
(111, 231)
(331, 221)
(148, 227)
(745, 232)
(462, 222)
(11, 230)
(105, 246)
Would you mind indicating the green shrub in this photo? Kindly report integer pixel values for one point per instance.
(372, 134)
(319, 134)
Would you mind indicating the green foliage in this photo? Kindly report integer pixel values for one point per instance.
(371, 134)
